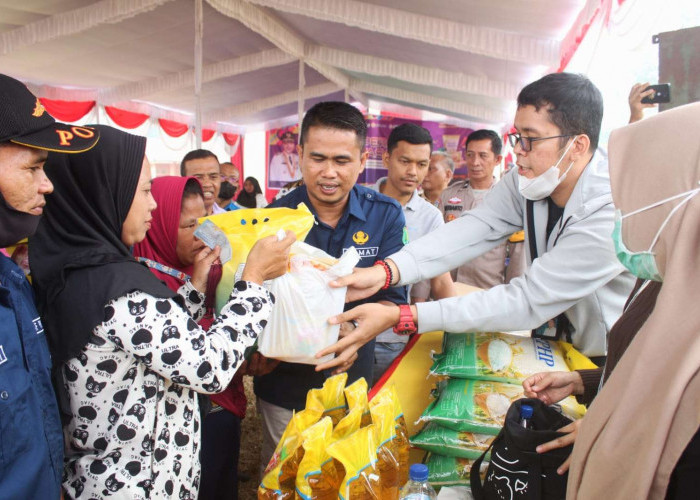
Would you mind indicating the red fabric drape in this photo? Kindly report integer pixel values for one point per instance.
(126, 119)
(207, 134)
(173, 129)
(570, 46)
(67, 111)
(230, 138)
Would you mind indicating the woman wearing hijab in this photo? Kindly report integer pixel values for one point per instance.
(251, 196)
(175, 255)
(640, 439)
(129, 358)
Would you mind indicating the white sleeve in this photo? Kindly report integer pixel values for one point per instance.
(194, 300)
(582, 261)
(161, 334)
(474, 233)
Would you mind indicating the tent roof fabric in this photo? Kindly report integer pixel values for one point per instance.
(461, 58)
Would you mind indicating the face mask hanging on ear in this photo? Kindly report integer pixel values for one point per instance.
(643, 264)
(538, 188)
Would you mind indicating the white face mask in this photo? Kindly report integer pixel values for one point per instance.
(538, 188)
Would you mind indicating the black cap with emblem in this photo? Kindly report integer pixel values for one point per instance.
(24, 121)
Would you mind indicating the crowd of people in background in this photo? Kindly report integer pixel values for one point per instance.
(119, 378)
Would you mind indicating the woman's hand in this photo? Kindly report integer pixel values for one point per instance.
(552, 387)
(268, 258)
(571, 431)
(202, 264)
(372, 320)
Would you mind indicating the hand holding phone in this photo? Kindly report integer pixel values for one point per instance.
(662, 94)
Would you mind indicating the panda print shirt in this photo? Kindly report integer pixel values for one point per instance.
(134, 431)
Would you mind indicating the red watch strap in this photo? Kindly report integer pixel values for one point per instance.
(405, 326)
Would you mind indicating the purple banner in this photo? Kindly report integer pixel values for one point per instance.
(445, 137)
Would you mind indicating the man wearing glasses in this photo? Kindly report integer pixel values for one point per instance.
(575, 287)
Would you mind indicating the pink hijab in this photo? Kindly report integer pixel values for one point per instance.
(161, 240)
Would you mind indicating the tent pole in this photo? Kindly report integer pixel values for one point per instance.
(302, 84)
(198, 31)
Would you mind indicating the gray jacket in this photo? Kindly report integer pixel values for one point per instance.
(577, 271)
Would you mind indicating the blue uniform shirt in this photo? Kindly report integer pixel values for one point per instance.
(372, 223)
(31, 440)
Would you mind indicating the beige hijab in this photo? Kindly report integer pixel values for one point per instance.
(649, 409)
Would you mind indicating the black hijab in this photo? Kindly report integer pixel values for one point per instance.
(246, 199)
(79, 262)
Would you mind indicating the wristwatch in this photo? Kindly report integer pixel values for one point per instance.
(405, 326)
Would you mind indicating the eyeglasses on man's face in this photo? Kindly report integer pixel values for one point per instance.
(526, 142)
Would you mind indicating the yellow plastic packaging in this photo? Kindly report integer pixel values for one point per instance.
(389, 393)
(246, 226)
(279, 481)
(574, 359)
(329, 399)
(349, 424)
(317, 478)
(356, 396)
(387, 449)
(357, 453)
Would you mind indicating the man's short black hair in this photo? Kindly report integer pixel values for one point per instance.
(410, 133)
(574, 104)
(480, 135)
(196, 154)
(337, 115)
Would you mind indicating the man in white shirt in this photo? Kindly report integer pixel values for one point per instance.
(407, 159)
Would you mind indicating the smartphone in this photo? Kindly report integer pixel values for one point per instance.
(662, 93)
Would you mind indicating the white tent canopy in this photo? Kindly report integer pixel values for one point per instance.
(462, 58)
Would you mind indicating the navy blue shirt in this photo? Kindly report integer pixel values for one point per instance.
(31, 440)
(372, 223)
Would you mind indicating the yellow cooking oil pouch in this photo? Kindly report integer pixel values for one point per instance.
(329, 399)
(356, 396)
(387, 448)
(574, 359)
(279, 481)
(358, 455)
(497, 356)
(389, 393)
(317, 478)
(244, 227)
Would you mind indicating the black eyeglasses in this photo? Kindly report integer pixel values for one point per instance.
(526, 142)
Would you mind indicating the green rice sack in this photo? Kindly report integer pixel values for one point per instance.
(497, 356)
(450, 471)
(472, 405)
(480, 405)
(452, 443)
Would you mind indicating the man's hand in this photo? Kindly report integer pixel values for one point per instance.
(345, 329)
(268, 258)
(362, 283)
(372, 319)
(258, 365)
(637, 93)
(571, 431)
(552, 387)
(202, 263)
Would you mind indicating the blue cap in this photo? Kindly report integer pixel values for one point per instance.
(526, 411)
(418, 472)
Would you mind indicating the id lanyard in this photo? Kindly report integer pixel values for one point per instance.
(164, 269)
